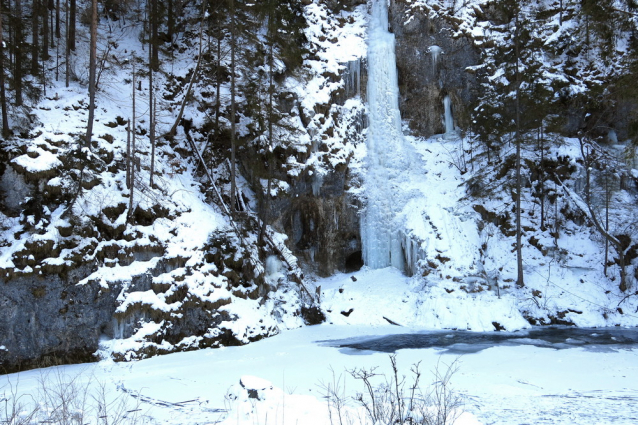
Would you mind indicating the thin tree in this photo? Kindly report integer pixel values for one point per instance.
(154, 22)
(71, 10)
(92, 72)
(44, 11)
(519, 250)
(58, 33)
(153, 141)
(132, 155)
(18, 42)
(170, 20)
(3, 98)
(35, 30)
(151, 99)
(233, 106)
(67, 50)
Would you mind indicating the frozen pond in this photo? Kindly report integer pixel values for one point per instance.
(461, 342)
(540, 376)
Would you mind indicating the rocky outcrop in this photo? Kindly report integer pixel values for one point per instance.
(431, 65)
(324, 228)
(48, 320)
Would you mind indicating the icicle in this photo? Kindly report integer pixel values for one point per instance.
(612, 137)
(118, 329)
(449, 120)
(317, 182)
(435, 51)
(353, 78)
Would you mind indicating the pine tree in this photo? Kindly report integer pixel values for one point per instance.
(517, 99)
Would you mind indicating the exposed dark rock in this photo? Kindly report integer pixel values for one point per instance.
(312, 315)
(424, 81)
(347, 313)
(50, 320)
(319, 215)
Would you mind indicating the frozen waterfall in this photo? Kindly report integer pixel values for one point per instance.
(381, 234)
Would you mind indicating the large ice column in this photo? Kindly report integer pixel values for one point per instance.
(380, 234)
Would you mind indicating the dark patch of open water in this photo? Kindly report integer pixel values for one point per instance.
(459, 342)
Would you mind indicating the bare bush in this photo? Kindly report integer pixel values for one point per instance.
(334, 392)
(67, 400)
(400, 400)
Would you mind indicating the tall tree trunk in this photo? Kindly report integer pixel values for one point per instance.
(67, 49)
(35, 45)
(233, 47)
(58, 33)
(133, 156)
(18, 42)
(153, 36)
(271, 89)
(607, 199)
(129, 162)
(151, 113)
(170, 20)
(542, 177)
(92, 72)
(519, 246)
(3, 97)
(218, 77)
(153, 141)
(45, 32)
(71, 24)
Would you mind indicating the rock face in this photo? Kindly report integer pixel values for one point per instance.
(323, 224)
(51, 320)
(431, 65)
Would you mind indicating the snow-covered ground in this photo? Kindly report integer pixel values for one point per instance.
(500, 385)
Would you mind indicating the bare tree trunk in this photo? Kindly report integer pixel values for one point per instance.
(128, 156)
(45, 32)
(170, 20)
(58, 33)
(542, 177)
(17, 75)
(133, 154)
(218, 76)
(35, 29)
(153, 141)
(151, 113)
(519, 246)
(271, 165)
(3, 97)
(233, 47)
(71, 24)
(607, 198)
(153, 38)
(92, 71)
(67, 52)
